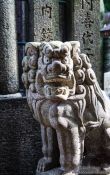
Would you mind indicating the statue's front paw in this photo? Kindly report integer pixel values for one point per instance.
(44, 164)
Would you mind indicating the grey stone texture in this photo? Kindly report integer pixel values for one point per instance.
(55, 171)
(20, 144)
(62, 20)
(8, 58)
(44, 20)
(84, 170)
(64, 96)
(85, 27)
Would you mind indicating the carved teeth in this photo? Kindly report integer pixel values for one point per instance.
(55, 80)
(55, 91)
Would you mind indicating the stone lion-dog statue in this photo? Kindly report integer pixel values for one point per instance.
(64, 96)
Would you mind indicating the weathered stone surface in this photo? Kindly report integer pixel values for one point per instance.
(55, 171)
(8, 58)
(64, 96)
(44, 20)
(20, 143)
(86, 29)
(85, 170)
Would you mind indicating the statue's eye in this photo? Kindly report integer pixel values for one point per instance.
(65, 60)
(46, 60)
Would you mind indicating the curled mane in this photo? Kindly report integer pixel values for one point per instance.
(85, 76)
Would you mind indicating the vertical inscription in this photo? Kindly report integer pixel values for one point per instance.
(46, 20)
(86, 28)
(46, 31)
(88, 22)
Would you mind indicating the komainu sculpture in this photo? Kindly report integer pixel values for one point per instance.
(64, 96)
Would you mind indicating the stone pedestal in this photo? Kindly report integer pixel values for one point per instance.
(55, 171)
(8, 57)
(44, 20)
(84, 170)
(85, 27)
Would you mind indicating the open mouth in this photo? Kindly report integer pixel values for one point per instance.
(59, 81)
(58, 87)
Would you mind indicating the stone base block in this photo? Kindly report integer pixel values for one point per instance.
(84, 170)
(55, 171)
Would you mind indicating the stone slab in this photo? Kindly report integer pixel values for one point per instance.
(45, 22)
(86, 29)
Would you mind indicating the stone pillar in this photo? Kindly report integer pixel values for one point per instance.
(8, 56)
(85, 28)
(44, 20)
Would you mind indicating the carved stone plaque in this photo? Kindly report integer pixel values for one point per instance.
(86, 29)
(45, 20)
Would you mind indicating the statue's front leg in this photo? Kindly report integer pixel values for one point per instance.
(48, 148)
(106, 144)
(70, 149)
(42, 161)
(63, 120)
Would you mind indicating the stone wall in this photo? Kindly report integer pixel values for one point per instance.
(20, 144)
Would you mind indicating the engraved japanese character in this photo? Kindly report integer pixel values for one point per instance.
(47, 11)
(87, 20)
(46, 34)
(87, 37)
(89, 52)
(89, 4)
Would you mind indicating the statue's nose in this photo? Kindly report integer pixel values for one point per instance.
(57, 67)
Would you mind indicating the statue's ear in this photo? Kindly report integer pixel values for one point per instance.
(42, 45)
(46, 48)
(75, 48)
(32, 48)
(66, 47)
(29, 64)
(32, 54)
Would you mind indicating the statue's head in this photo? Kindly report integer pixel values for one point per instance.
(55, 76)
(56, 70)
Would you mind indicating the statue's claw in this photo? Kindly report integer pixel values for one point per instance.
(106, 168)
(44, 164)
